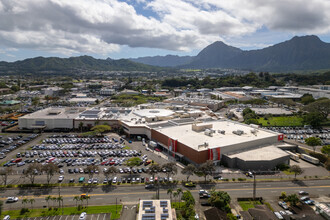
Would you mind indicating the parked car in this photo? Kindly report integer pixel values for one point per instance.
(303, 193)
(83, 216)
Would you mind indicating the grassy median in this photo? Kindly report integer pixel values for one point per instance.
(17, 214)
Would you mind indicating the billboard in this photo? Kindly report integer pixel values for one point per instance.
(214, 154)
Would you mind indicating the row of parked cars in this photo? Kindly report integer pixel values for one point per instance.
(11, 143)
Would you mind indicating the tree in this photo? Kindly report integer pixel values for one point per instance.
(247, 111)
(50, 169)
(154, 169)
(133, 162)
(87, 198)
(219, 199)
(15, 88)
(32, 171)
(179, 191)
(321, 106)
(1, 206)
(292, 199)
(296, 170)
(175, 194)
(31, 201)
(76, 199)
(189, 170)
(307, 99)
(206, 169)
(313, 142)
(25, 201)
(100, 129)
(35, 101)
(170, 192)
(314, 119)
(188, 198)
(91, 170)
(171, 169)
(59, 200)
(326, 150)
(81, 126)
(47, 200)
(5, 173)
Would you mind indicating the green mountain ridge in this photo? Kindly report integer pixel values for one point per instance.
(72, 64)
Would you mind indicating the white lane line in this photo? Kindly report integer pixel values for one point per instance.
(98, 217)
(61, 217)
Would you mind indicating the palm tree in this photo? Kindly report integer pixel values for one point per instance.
(175, 194)
(170, 191)
(76, 198)
(81, 126)
(47, 200)
(54, 200)
(31, 201)
(179, 191)
(87, 198)
(25, 201)
(59, 199)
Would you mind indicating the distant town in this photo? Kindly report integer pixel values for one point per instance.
(205, 144)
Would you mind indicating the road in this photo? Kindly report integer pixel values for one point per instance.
(130, 195)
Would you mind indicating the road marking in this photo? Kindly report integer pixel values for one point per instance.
(320, 190)
(104, 216)
(268, 185)
(61, 217)
(98, 217)
(196, 190)
(72, 217)
(273, 191)
(66, 217)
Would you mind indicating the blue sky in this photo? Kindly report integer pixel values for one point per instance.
(135, 28)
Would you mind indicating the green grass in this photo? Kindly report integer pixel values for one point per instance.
(15, 214)
(248, 204)
(127, 147)
(288, 172)
(178, 205)
(127, 100)
(285, 121)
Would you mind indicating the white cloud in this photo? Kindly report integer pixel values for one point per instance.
(102, 26)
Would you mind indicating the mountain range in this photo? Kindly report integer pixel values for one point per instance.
(299, 53)
(72, 65)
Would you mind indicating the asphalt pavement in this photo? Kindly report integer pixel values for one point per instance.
(131, 194)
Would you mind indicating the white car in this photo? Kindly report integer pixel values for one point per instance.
(11, 199)
(60, 178)
(83, 216)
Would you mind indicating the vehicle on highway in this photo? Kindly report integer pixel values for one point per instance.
(303, 193)
(189, 184)
(149, 186)
(204, 194)
(11, 199)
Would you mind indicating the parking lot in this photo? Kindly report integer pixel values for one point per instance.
(103, 216)
(73, 154)
(11, 142)
(299, 134)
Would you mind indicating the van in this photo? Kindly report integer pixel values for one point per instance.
(81, 179)
(114, 180)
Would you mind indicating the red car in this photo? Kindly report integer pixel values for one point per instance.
(158, 150)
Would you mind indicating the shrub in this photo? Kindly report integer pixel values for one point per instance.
(282, 167)
(23, 211)
(241, 179)
(233, 179)
(269, 206)
(323, 158)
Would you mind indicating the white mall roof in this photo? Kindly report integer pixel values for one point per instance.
(149, 113)
(185, 135)
(264, 153)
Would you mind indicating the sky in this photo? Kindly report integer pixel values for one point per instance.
(137, 28)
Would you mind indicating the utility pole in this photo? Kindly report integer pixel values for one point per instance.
(116, 205)
(254, 186)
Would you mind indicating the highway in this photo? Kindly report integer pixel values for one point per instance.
(102, 195)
